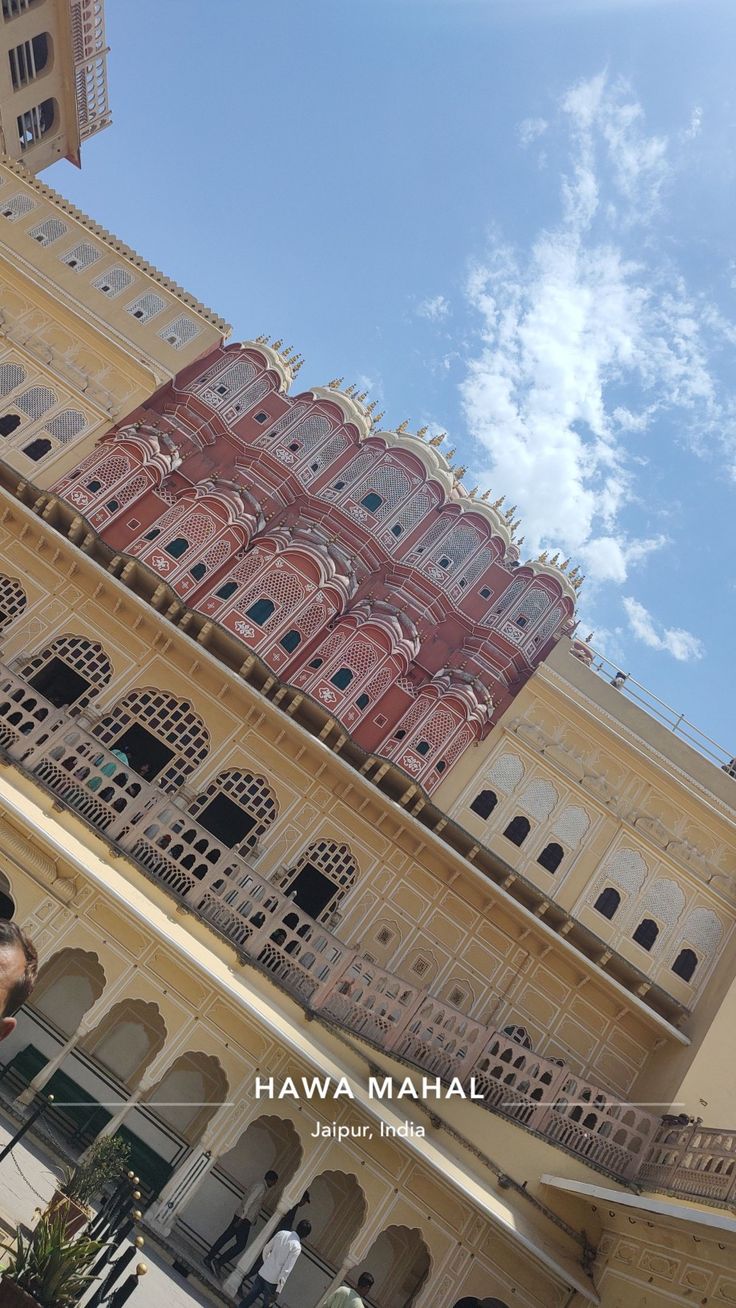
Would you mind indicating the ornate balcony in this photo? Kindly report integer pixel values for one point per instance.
(221, 888)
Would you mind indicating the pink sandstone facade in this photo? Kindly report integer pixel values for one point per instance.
(349, 559)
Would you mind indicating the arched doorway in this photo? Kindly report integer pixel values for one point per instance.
(236, 808)
(71, 670)
(321, 878)
(269, 1143)
(336, 1209)
(172, 1116)
(399, 1262)
(68, 984)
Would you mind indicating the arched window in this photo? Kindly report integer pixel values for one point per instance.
(551, 857)
(161, 735)
(290, 641)
(7, 903)
(342, 678)
(484, 803)
(261, 611)
(236, 808)
(371, 501)
(607, 902)
(152, 534)
(321, 878)
(176, 547)
(227, 590)
(316, 663)
(685, 964)
(8, 424)
(517, 830)
(422, 747)
(12, 599)
(71, 670)
(646, 933)
(198, 571)
(362, 701)
(37, 449)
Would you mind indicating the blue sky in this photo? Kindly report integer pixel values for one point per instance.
(512, 220)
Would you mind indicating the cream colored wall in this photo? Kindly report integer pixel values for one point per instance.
(68, 335)
(55, 81)
(562, 760)
(506, 968)
(400, 1189)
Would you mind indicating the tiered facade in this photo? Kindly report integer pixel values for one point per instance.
(302, 776)
(349, 558)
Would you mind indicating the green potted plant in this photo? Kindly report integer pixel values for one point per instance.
(105, 1160)
(49, 1270)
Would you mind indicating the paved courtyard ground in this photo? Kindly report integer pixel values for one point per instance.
(27, 1182)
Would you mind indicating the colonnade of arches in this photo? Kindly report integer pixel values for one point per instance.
(200, 1140)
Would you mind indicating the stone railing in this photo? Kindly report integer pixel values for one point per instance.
(220, 887)
(693, 1159)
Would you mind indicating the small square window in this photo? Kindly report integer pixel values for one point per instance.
(397, 529)
(380, 720)
(261, 417)
(485, 592)
(134, 523)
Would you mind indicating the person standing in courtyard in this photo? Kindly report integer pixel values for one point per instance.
(234, 1238)
(346, 1297)
(279, 1257)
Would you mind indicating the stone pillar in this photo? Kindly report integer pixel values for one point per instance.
(340, 1276)
(87, 1024)
(179, 1189)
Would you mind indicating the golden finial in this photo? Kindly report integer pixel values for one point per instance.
(378, 417)
(349, 389)
(573, 572)
(363, 396)
(515, 525)
(336, 383)
(422, 433)
(497, 503)
(436, 441)
(555, 557)
(486, 494)
(286, 352)
(520, 541)
(589, 637)
(450, 454)
(563, 565)
(277, 344)
(370, 407)
(295, 367)
(460, 471)
(402, 427)
(542, 558)
(261, 340)
(472, 493)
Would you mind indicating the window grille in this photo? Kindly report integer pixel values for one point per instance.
(307, 434)
(458, 544)
(11, 377)
(180, 332)
(251, 793)
(65, 426)
(81, 257)
(86, 657)
(627, 868)
(285, 589)
(534, 604)
(539, 798)
(331, 450)
(389, 482)
(145, 307)
(36, 401)
(412, 512)
(703, 930)
(113, 281)
(17, 207)
(225, 380)
(335, 862)
(572, 825)
(171, 720)
(431, 537)
(510, 595)
(506, 773)
(13, 600)
(48, 232)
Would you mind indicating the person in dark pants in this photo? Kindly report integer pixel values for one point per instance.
(235, 1237)
(279, 1257)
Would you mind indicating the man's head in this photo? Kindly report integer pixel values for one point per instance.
(271, 1178)
(303, 1230)
(18, 971)
(365, 1282)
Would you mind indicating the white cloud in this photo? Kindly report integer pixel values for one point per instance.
(582, 348)
(531, 129)
(695, 126)
(434, 308)
(681, 644)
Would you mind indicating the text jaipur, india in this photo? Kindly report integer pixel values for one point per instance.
(386, 1087)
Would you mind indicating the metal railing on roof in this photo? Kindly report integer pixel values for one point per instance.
(676, 722)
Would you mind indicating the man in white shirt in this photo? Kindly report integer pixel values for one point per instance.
(279, 1257)
(346, 1297)
(235, 1237)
